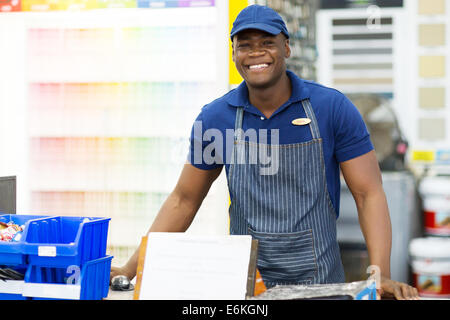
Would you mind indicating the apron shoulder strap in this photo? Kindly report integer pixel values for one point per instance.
(310, 114)
(238, 123)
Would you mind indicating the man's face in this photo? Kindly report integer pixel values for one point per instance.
(260, 57)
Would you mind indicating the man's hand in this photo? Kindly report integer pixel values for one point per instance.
(398, 290)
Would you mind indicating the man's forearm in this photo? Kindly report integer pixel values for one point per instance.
(375, 224)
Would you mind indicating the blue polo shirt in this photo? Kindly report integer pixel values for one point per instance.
(342, 129)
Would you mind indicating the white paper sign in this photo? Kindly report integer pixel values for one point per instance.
(47, 251)
(180, 266)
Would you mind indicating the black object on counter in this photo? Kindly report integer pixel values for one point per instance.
(10, 274)
(121, 283)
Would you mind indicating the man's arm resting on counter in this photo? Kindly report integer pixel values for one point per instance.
(179, 209)
(363, 177)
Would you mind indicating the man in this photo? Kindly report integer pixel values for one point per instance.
(292, 207)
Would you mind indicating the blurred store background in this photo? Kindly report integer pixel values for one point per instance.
(97, 99)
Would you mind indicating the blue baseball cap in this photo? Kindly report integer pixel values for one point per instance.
(261, 18)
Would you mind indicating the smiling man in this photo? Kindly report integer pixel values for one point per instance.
(259, 58)
(291, 211)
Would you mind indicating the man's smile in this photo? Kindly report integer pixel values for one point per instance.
(258, 67)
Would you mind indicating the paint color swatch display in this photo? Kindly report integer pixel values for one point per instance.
(10, 5)
(363, 57)
(433, 57)
(62, 5)
(97, 204)
(430, 56)
(116, 108)
(118, 54)
(116, 164)
(49, 5)
(110, 111)
(431, 7)
(174, 3)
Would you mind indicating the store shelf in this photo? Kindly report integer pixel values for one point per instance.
(107, 99)
(429, 116)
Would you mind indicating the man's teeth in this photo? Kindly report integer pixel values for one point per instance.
(259, 66)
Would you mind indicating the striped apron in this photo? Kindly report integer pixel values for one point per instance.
(289, 212)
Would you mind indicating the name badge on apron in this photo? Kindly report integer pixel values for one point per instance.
(301, 121)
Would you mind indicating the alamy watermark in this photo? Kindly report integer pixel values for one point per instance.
(237, 147)
(75, 274)
(374, 20)
(374, 272)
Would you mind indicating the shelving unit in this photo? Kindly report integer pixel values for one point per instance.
(408, 64)
(362, 51)
(106, 99)
(429, 60)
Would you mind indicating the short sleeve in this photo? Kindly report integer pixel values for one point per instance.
(202, 150)
(352, 138)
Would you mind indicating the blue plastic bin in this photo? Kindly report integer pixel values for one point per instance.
(90, 283)
(62, 241)
(7, 296)
(11, 253)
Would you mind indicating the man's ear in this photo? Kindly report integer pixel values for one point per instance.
(287, 48)
(232, 51)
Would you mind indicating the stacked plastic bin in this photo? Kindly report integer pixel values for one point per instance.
(61, 258)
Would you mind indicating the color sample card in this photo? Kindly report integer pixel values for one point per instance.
(443, 156)
(432, 129)
(49, 5)
(40, 5)
(431, 98)
(157, 3)
(423, 155)
(174, 3)
(431, 7)
(196, 3)
(432, 66)
(103, 4)
(10, 5)
(432, 34)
